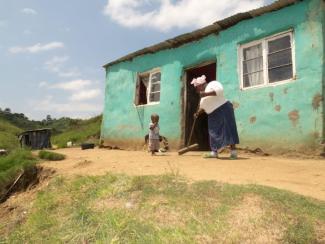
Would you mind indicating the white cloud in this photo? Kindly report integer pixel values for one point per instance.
(169, 14)
(36, 48)
(50, 106)
(76, 95)
(74, 72)
(72, 85)
(55, 63)
(29, 11)
(85, 95)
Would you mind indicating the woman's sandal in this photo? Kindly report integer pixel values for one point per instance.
(233, 156)
(209, 155)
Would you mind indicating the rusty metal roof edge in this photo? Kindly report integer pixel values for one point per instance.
(26, 131)
(205, 31)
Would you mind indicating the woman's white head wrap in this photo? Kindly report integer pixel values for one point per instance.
(199, 81)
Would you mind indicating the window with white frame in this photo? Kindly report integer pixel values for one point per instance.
(267, 61)
(148, 88)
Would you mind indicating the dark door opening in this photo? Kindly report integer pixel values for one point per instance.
(200, 134)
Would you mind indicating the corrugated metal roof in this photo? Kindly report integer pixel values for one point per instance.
(205, 31)
(36, 130)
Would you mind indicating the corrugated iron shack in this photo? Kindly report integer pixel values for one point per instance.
(36, 139)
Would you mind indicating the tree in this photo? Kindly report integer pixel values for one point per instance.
(48, 118)
(7, 110)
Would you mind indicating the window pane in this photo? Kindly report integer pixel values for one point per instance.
(155, 97)
(280, 58)
(253, 65)
(155, 87)
(279, 44)
(253, 79)
(155, 77)
(252, 52)
(282, 73)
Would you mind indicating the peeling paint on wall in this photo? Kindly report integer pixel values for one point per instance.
(252, 119)
(285, 90)
(277, 108)
(271, 95)
(317, 100)
(294, 117)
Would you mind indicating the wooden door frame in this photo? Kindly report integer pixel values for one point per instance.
(184, 95)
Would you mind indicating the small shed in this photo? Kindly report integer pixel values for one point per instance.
(36, 139)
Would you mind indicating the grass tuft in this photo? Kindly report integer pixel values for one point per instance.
(52, 156)
(300, 232)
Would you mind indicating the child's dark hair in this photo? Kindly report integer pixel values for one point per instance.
(154, 116)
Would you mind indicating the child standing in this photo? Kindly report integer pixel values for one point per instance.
(154, 134)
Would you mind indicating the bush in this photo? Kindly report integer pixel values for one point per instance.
(8, 136)
(52, 156)
(12, 164)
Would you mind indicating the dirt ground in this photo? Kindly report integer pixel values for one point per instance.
(303, 176)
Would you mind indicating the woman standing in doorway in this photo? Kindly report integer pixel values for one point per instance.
(221, 118)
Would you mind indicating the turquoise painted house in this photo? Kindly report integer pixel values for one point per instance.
(270, 61)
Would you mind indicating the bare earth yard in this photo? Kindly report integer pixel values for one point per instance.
(303, 176)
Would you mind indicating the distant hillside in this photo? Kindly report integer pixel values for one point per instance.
(21, 121)
(8, 135)
(63, 129)
(79, 132)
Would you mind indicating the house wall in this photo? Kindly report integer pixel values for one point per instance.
(282, 117)
(287, 116)
(125, 124)
(323, 52)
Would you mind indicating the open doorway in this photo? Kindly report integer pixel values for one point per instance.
(200, 134)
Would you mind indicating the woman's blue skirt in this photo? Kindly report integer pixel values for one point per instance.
(222, 127)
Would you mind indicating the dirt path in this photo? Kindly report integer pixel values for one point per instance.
(303, 176)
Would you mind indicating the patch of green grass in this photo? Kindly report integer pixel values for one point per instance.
(8, 135)
(52, 156)
(83, 131)
(165, 209)
(12, 164)
(297, 204)
(300, 232)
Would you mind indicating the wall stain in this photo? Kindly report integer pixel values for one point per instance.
(277, 108)
(294, 117)
(285, 91)
(235, 104)
(252, 119)
(316, 135)
(271, 94)
(317, 99)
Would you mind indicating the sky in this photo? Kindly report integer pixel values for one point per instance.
(52, 52)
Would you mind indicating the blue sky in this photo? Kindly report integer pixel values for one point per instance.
(52, 52)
